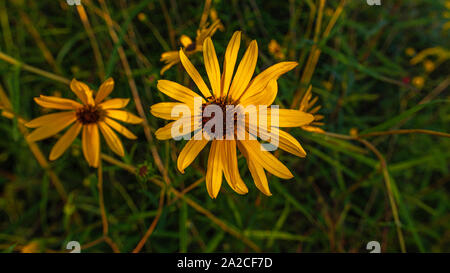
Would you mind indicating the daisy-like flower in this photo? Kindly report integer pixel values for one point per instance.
(171, 58)
(227, 90)
(89, 117)
(307, 105)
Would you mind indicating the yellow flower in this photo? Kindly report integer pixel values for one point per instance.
(171, 58)
(410, 51)
(305, 105)
(353, 132)
(429, 65)
(225, 91)
(88, 117)
(142, 17)
(275, 50)
(418, 81)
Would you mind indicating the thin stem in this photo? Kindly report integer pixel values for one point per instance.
(152, 227)
(32, 69)
(101, 200)
(387, 181)
(224, 226)
(87, 25)
(405, 131)
(135, 93)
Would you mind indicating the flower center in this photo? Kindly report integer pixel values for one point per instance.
(190, 47)
(88, 114)
(211, 113)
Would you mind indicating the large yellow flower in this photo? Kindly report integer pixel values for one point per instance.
(228, 90)
(88, 117)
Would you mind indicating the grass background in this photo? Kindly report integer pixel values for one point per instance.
(339, 199)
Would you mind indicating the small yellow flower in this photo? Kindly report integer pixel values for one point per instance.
(353, 131)
(418, 81)
(88, 117)
(305, 105)
(142, 17)
(429, 65)
(410, 51)
(276, 50)
(225, 91)
(171, 58)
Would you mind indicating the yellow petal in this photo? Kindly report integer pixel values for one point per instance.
(64, 142)
(165, 132)
(52, 128)
(230, 167)
(105, 89)
(266, 159)
(195, 76)
(123, 116)
(259, 83)
(294, 118)
(204, 32)
(244, 71)
(170, 58)
(190, 151)
(114, 103)
(266, 97)
(91, 144)
(214, 172)
(259, 176)
(177, 91)
(112, 139)
(313, 129)
(48, 119)
(164, 110)
(120, 129)
(230, 61)
(79, 88)
(285, 141)
(185, 40)
(290, 144)
(212, 66)
(57, 103)
(304, 102)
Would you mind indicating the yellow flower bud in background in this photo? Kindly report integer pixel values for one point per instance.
(142, 17)
(429, 65)
(418, 81)
(275, 49)
(410, 51)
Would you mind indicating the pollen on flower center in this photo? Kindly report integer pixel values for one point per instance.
(88, 114)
